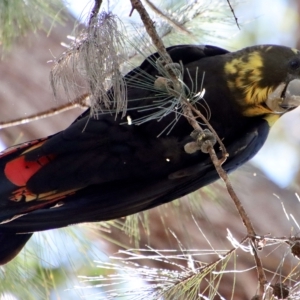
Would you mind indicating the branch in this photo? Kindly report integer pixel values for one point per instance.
(150, 28)
(78, 102)
(188, 110)
(246, 220)
(222, 146)
(156, 40)
(233, 13)
(165, 17)
(95, 11)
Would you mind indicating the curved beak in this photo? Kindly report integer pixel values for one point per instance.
(284, 97)
(292, 94)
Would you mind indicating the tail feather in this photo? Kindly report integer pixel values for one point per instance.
(11, 244)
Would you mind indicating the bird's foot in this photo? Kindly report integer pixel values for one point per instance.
(203, 140)
(171, 68)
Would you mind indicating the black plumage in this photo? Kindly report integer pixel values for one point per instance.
(101, 168)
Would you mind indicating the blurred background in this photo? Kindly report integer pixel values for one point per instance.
(68, 263)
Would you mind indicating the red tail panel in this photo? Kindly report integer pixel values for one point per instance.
(18, 171)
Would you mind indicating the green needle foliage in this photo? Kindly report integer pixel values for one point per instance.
(21, 16)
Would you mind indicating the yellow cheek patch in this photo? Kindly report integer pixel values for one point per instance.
(245, 75)
(231, 67)
(256, 110)
(271, 118)
(255, 94)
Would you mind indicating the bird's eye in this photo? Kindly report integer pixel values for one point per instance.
(295, 63)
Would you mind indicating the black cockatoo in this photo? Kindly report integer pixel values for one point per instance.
(103, 167)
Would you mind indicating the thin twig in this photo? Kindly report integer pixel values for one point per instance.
(233, 13)
(150, 28)
(95, 11)
(222, 173)
(222, 146)
(188, 112)
(79, 102)
(156, 40)
(246, 220)
(165, 17)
